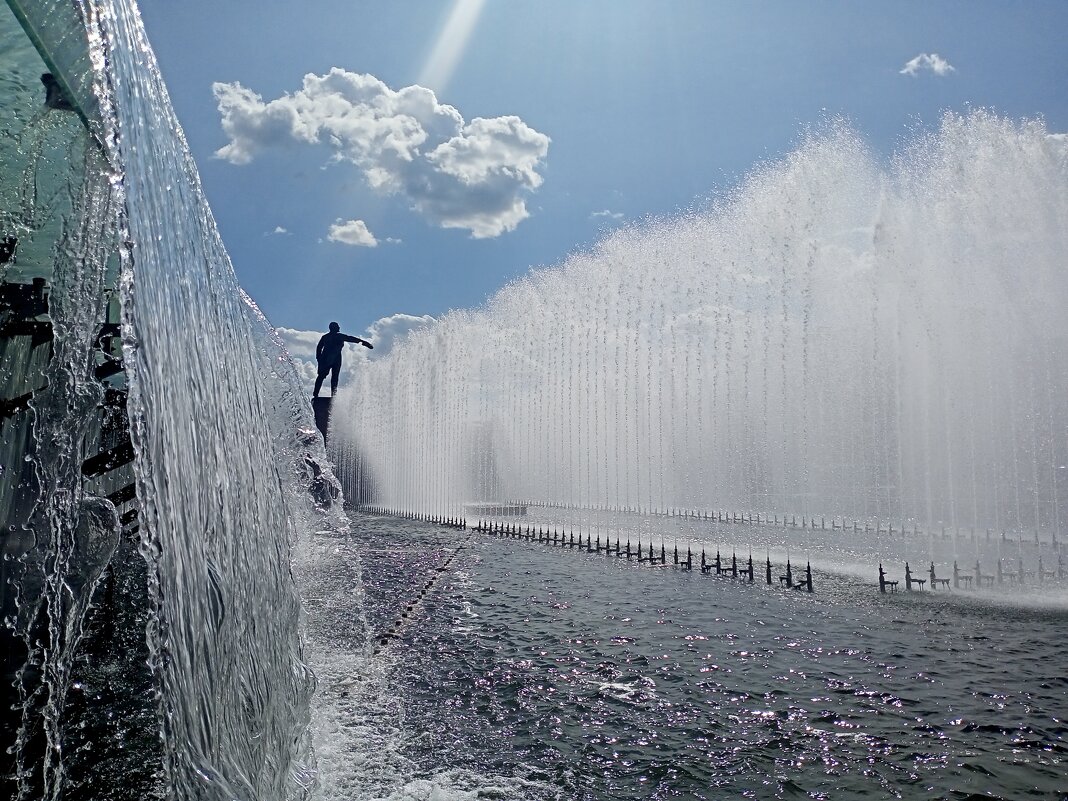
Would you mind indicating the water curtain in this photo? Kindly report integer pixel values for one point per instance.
(165, 455)
(843, 335)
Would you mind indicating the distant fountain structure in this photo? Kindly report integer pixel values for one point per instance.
(844, 341)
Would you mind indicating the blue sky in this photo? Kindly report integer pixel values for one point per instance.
(598, 113)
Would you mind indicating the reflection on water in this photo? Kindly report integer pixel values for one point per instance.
(593, 678)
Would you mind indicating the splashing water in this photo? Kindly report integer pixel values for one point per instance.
(837, 337)
(226, 474)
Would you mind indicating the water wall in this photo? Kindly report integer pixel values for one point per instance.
(864, 339)
(159, 461)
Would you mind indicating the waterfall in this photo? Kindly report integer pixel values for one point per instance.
(167, 465)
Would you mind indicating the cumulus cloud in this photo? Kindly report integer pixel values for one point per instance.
(927, 61)
(385, 332)
(472, 175)
(301, 346)
(611, 215)
(278, 231)
(353, 232)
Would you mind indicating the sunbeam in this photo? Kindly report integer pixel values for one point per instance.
(450, 44)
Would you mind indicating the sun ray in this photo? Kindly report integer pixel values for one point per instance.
(450, 44)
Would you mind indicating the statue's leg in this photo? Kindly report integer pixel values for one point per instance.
(335, 373)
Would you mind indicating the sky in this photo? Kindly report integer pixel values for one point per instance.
(379, 162)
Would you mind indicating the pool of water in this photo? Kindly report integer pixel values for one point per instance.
(512, 669)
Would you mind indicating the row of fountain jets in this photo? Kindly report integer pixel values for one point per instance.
(874, 348)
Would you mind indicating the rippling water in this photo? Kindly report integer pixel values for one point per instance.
(585, 677)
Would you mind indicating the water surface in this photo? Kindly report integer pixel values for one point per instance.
(587, 677)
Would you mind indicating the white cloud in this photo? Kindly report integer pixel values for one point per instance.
(307, 371)
(353, 232)
(300, 344)
(612, 215)
(927, 61)
(385, 332)
(278, 231)
(472, 175)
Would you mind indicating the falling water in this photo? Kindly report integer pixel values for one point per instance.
(842, 337)
(226, 474)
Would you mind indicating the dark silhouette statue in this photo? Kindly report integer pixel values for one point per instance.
(328, 355)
